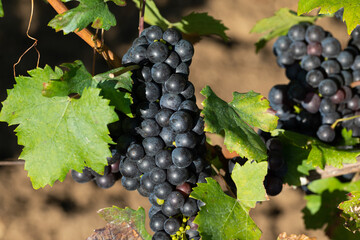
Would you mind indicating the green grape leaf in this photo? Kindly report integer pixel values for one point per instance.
(121, 75)
(321, 209)
(58, 133)
(194, 24)
(1, 9)
(351, 10)
(134, 219)
(222, 117)
(277, 25)
(78, 18)
(201, 24)
(348, 139)
(222, 217)
(351, 211)
(118, 2)
(249, 180)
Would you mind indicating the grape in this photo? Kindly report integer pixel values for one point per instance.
(202, 177)
(331, 47)
(282, 44)
(163, 190)
(187, 140)
(137, 54)
(185, 189)
(285, 59)
(176, 175)
(129, 169)
(314, 77)
(348, 93)
(175, 199)
(353, 103)
(168, 136)
(163, 117)
(327, 87)
(311, 103)
(292, 71)
(327, 106)
(338, 97)
(171, 35)
(175, 84)
(148, 91)
(181, 157)
(199, 126)
(273, 185)
(135, 151)
(296, 91)
(326, 133)
(163, 159)
(356, 75)
(82, 177)
(277, 94)
(185, 50)
(330, 118)
(171, 226)
(130, 184)
(168, 210)
(146, 164)
(157, 175)
(331, 66)
(105, 181)
(275, 160)
(346, 59)
(140, 41)
(146, 183)
(170, 101)
(356, 63)
(115, 167)
(314, 49)
(149, 128)
(147, 110)
(310, 62)
(189, 208)
(181, 122)
(146, 73)
(153, 33)
(355, 34)
(160, 72)
(161, 235)
(298, 49)
(152, 145)
(173, 60)
(157, 52)
(347, 76)
(297, 32)
(157, 222)
(182, 68)
(123, 142)
(273, 144)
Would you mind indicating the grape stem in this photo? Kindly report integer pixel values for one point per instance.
(90, 38)
(142, 16)
(343, 119)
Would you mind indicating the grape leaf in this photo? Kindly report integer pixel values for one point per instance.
(194, 24)
(78, 18)
(351, 211)
(1, 9)
(351, 10)
(321, 211)
(222, 217)
(58, 133)
(121, 75)
(249, 180)
(118, 2)
(348, 139)
(135, 219)
(224, 117)
(277, 25)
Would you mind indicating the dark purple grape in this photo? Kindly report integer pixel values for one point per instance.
(146, 73)
(176, 175)
(190, 106)
(163, 190)
(285, 59)
(140, 41)
(82, 177)
(346, 59)
(199, 126)
(157, 175)
(184, 49)
(148, 128)
(172, 225)
(338, 97)
(331, 66)
(135, 152)
(157, 222)
(130, 184)
(168, 136)
(298, 49)
(188, 91)
(160, 72)
(327, 87)
(163, 159)
(297, 32)
(314, 77)
(129, 169)
(172, 36)
(182, 68)
(187, 140)
(169, 210)
(105, 181)
(161, 235)
(353, 103)
(147, 110)
(146, 164)
(278, 94)
(282, 44)
(152, 145)
(123, 142)
(330, 118)
(173, 60)
(143, 192)
(311, 103)
(355, 34)
(137, 54)
(325, 133)
(314, 33)
(331, 47)
(149, 91)
(163, 117)
(146, 183)
(175, 83)
(273, 185)
(126, 60)
(181, 157)
(347, 76)
(170, 101)
(296, 91)
(157, 52)
(185, 189)
(175, 199)
(181, 122)
(314, 49)
(153, 33)
(356, 63)
(189, 208)
(310, 62)
(327, 106)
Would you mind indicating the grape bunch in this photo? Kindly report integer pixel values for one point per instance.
(321, 77)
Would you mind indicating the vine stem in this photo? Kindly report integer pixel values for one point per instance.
(90, 38)
(11, 162)
(142, 16)
(343, 119)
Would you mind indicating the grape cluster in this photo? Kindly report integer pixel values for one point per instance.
(320, 89)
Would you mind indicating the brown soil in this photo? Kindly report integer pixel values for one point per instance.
(68, 210)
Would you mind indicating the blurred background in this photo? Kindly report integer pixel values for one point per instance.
(68, 209)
